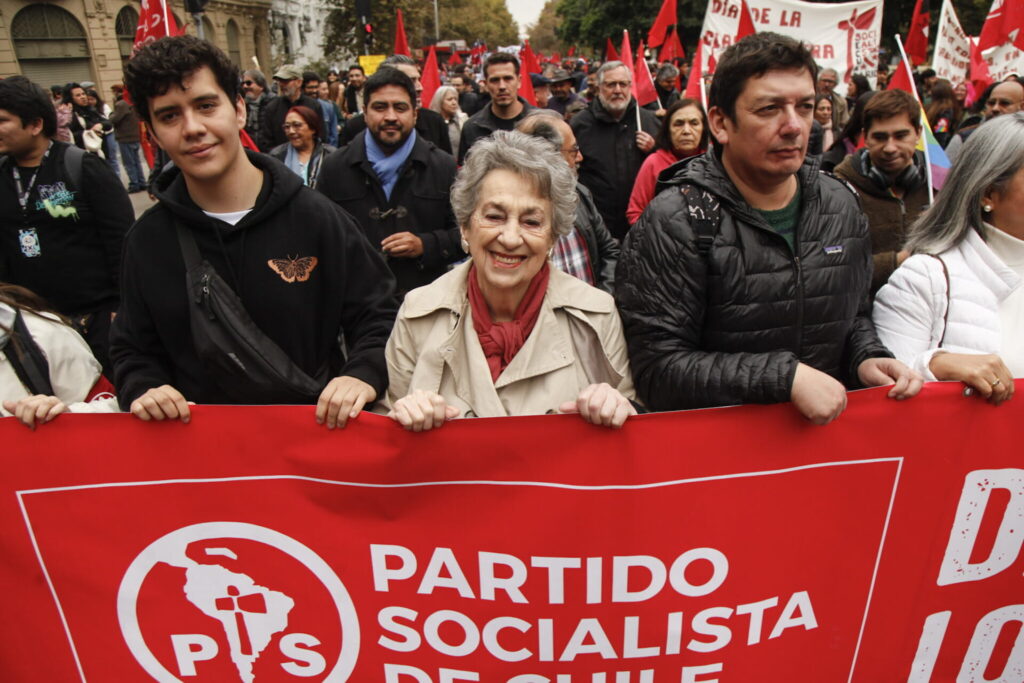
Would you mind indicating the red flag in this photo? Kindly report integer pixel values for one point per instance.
(401, 42)
(247, 141)
(571, 52)
(902, 80)
(527, 59)
(455, 58)
(627, 54)
(431, 78)
(695, 85)
(155, 21)
(666, 18)
(1004, 24)
(643, 83)
(610, 53)
(917, 38)
(672, 49)
(980, 77)
(746, 27)
(556, 58)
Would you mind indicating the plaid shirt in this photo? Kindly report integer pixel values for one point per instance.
(570, 256)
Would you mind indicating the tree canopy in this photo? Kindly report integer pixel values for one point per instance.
(469, 20)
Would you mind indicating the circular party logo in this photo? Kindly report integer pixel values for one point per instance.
(225, 601)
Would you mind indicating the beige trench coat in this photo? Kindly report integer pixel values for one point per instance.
(577, 341)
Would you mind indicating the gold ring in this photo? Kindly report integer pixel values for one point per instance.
(996, 382)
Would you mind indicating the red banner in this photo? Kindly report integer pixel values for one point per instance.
(730, 545)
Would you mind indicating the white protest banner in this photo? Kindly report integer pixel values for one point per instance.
(1003, 61)
(952, 57)
(843, 36)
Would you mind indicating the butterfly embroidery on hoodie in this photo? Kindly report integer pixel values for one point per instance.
(293, 269)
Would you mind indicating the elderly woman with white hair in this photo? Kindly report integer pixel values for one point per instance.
(504, 333)
(954, 310)
(446, 103)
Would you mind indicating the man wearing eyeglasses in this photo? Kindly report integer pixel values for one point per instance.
(828, 79)
(612, 145)
(254, 85)
(289, 85)
(1005, 98)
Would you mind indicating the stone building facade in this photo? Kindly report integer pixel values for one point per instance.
(60, 41)
(297, 31)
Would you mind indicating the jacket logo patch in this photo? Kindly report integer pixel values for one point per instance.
(832, 251)
(293, 269)
(56, 200)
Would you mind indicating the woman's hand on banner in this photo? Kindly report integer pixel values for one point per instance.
(422, 410)
(35, 410)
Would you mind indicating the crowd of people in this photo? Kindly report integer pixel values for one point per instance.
(343, 243)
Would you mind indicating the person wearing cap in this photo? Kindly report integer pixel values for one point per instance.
(561, 91)
(541, 90)
(289, 85)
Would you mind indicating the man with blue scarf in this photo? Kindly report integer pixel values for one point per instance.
(396, 184)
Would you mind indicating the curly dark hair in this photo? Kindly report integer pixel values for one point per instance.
(168, 62)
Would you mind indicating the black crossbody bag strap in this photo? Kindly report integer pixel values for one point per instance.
(705, 215)
(27, 359)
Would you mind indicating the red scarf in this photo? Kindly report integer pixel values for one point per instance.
(502, 341)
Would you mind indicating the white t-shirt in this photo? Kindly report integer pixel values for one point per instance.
(231, 217)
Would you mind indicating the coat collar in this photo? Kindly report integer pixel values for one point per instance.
(991, 271)
(448, 292)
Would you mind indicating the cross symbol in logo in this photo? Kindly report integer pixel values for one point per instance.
(253, 603)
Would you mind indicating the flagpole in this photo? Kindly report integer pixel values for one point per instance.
(923, 120)
(167, 23)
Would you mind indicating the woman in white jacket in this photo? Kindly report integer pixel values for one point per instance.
(954, 310)
(67, 368)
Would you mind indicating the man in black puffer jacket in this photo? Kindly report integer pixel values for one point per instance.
(766, 301)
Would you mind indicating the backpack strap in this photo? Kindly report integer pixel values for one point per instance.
(27, 359)
(945, 317)
(705, 216)
(73, 159)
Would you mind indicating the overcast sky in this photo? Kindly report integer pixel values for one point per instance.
(524, 12)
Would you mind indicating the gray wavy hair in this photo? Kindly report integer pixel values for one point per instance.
(987, 161)
(439, 95)
(527, 156)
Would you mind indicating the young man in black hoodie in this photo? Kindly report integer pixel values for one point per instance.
(299, 265)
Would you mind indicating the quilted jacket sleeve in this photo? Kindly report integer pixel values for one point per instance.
(661, 292)
(908, 312)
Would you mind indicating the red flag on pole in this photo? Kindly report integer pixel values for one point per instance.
(746, 27)
(666, 19)
(401, 42)
(902, 79)
(1004, 24)
(980, 76)
(672, 48)
(431, 78)
(610, 53)
(643, 83)
(695, 85)
(455, 58)
(571, 52)
(917, 38)
(155, 21)
(627, 54)
(527, 59)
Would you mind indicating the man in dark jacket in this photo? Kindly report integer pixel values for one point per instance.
(396, 184)
(126, 132)
(890, 177)
(612, 146)
(299, 266)
(289, 85)
(746, 280)
(506, 108)
(588, 252)
(429, 124)
(63, 216)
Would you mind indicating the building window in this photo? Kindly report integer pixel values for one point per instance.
(125, 26)
(50, 45)
(234, 47)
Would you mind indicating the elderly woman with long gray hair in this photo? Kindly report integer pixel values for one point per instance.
(954, 310)
(505, 333)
